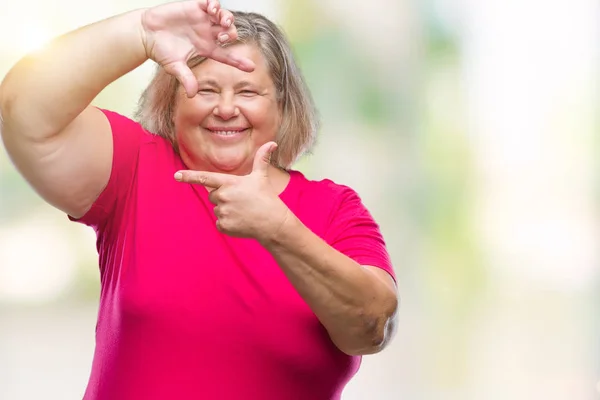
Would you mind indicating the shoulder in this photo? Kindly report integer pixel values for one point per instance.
(137, 155)
(126, 129)
(325, 189)
(325, 200)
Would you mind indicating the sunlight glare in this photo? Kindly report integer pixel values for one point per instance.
(33, 38)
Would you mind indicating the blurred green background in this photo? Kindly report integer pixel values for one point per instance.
(470, 129)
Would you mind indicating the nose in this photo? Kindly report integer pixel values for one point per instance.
(226, 107)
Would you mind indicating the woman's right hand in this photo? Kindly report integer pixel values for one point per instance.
(174, 33)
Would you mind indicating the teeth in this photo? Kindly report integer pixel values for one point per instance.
(225, 133)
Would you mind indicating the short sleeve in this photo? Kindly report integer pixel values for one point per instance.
(354, 232)
(127, 138)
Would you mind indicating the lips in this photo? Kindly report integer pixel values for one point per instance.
(227, 133)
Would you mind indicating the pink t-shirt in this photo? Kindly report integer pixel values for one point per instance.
(189, 313)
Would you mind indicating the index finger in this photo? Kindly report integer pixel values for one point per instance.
(208, 179)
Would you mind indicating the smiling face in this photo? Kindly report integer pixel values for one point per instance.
(234, 113)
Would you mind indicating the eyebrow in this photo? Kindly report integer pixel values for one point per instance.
(239, 85)
(209, 82)
(243, 84)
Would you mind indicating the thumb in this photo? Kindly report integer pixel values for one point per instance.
(262, 158)
(185, 77)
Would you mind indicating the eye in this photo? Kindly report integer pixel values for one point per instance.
(207, 91)
(248, 92)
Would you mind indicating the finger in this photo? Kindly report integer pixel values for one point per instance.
(226, 18)
(219, 227)
(210, 7)
(185, 76)
(262, 158)
(229, 35)
(214, 196)
(208, 179)
(213, 7)
(228, 56)
(220, 211)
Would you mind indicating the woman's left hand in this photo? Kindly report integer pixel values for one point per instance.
(245, 206)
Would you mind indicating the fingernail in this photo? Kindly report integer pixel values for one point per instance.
(223, 37)
(214, 10)
(178, 176)
(228, 23)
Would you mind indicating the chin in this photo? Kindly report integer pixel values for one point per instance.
(232, 165)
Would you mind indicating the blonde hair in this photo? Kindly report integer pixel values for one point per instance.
(300, 121)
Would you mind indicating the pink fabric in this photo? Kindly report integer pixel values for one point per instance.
(189, 313)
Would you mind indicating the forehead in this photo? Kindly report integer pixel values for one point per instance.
(223, 73)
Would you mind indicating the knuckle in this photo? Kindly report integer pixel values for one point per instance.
(233, 35)
(223, 225)
(222, 196)
(213, 199)
(216, 196)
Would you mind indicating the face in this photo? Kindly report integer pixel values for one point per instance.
(231, 116)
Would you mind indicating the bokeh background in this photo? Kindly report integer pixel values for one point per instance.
(470, 129)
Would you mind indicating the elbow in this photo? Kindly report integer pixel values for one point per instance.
(4, 110)
(18, 113)
(6, 99)
(6, 106)
(376, 330)
(380, 332)
(15, 86)
(14, 120)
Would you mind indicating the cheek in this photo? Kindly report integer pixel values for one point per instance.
(194, 110)
(262, 116)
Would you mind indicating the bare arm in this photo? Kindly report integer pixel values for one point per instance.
(356, 304)
(61, 145)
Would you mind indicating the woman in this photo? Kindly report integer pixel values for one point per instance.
(225, 274)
